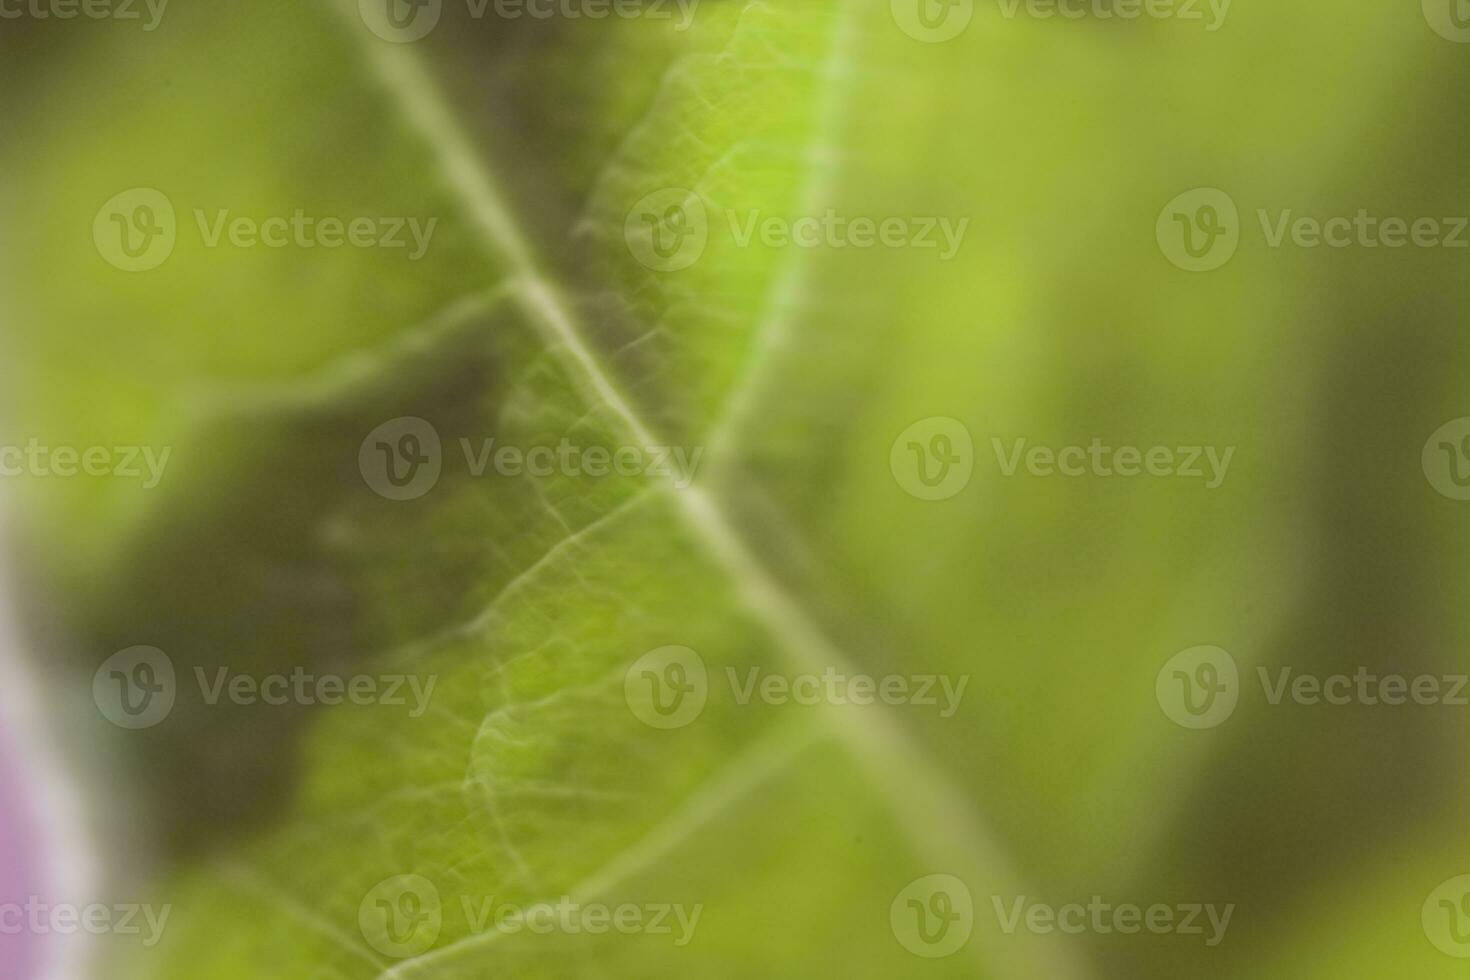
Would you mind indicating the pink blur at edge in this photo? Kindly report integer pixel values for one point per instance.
(20, 863)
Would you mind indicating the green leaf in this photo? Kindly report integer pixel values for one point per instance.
(534, 318)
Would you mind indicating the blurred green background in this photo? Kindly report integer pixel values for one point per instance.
(534, 316)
